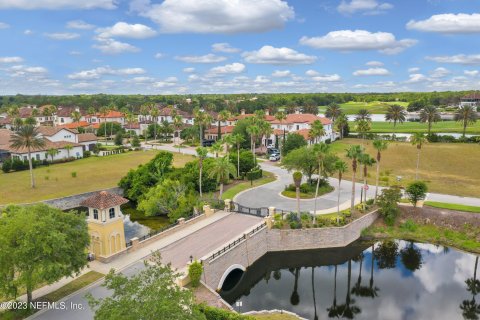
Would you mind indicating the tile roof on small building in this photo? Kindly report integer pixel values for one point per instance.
(103, 200)
(50, 131)
(87, 137)
(225, 130)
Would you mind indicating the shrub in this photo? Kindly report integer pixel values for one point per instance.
(87, 154)
(387, 201)
(74, 174)
(254, 174)
(18, 165)
(135, 142)
(118, 138)
(409, 225)
(369, 202)
(195, 273)
(246, 161)
(212, 313)
(416, 191)
(7, 166)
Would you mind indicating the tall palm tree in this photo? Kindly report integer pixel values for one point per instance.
(362, 126)
(397, 114)
(27, 137)
(30, 121)
(104, 112)
(295, 297)
(154, 113)
(281, 116)
(237, 139)
(353, 153)
(227, 140)
(372, 290)
(52, 152)
(363, 114)
(69, 148)
(418, 139)
(366, 162)
(201, 120)
(315, 317)
(297, 180)
(216, 148)
(202, 154)
(470, 308)
(144, 112)
(317, 131)
(265, 131)
(222, 116)
(341, 122)
(18, 123)
(221, 171)
(380, 146)
(321, 150)
(76, 116)
(254, 132)
(466, 115)
(333, 111)
(177, 124)
(340, 167)
(430, 114)
(334, 310)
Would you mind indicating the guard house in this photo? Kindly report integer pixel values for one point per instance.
(105, 224)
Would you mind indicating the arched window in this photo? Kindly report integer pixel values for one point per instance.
(95, 214)
(112, 213)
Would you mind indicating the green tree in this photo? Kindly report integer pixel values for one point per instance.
(154, 113)
(152, 293)
(76, 116)
(366, 161)
(38, 245)
(470, 308)
(195, 270)
(104, 111)
(221, 171)
(216, 148)
(418, 139)
(317, 131)
(27, 137)
(416, 191)
(341, 123)
(114, 127)
(135, 141)
(387, 201)
(118, 138)
(411, 257)
(280, 117)
(466, 115)
(292, 142)
(201, 154)
(380, 146)
(387, 253)
(363, 114)
(333, 111)
(397, 114)
(52, 152)
(297, 180)
(237, 139)
(302, 159)
(340, 167)
(254, 132)
(243, 160)
(69, 148)
(30, 121)
(354, 153)
(324, 161)
(430, 115)
(362, 126)
(222, 116)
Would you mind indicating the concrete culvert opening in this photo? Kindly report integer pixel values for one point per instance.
(232, 279)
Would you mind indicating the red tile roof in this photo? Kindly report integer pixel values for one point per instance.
(302, 118)
(75, 125)
(84, 137)
(225, 129)
(50, 131)
(132, 126)
(67, 111)
(472, 96)
(111, 114)
(48, 145)
(103, 200)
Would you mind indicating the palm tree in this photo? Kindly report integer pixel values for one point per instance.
(315, 317)
(297, 179)
(154, 113)
(177, 124)
(348, 310)
(334, 311)
(470, 308)
(372, 290)
(466, 115)
(333, 111)
(27, 137)
(69, 148)
(362, 126)
(216, 148)
(341, 122)
(104, 112)
(76, 116)
(321, 150)
(396, 114)
(253, 131)
(91, 111)
(418, 139)
(237, 139)
(430, 115)
(295, 298)
(202, 154)
(222, 116)
(30, 121)
(18, 123)
(222, 170)
(353, 153)
(379, 145)
(366, 161)
(317, 131)
(227, 140)
(166, 129)
(144, 111)
(281, 116)
(363, 114)
(340, 167)
(265, 131)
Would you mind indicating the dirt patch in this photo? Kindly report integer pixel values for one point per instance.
(440, 217)
(203, 295)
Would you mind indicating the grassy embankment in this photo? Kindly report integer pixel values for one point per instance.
(242, 186)
(92, 174)
(376, 107)
(452, 206)
(448, 168)
(411, 127)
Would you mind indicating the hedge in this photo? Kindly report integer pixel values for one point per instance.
(254, 174)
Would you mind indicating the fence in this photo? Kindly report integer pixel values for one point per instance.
(259, 212)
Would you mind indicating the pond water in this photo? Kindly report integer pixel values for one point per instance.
(384, 280)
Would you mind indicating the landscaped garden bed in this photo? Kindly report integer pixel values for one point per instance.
(307, 190)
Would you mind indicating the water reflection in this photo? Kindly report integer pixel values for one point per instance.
(385, 280)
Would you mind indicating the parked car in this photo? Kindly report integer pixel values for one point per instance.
(275, 157)
(272, 151)
(207, 143)
(271, 146)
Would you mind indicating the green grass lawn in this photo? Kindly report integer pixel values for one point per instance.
(410, 127)
(56, 181)
(275, 316)
(452, 206)
(376, 107)
(77, 284)
(311, 195)
(449, 168)
(233, 191)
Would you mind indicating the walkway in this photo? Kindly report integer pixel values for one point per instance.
(196, 240)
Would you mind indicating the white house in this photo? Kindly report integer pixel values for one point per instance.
(472, 99)
(64, 115)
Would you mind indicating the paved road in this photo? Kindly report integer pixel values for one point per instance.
(178, 253)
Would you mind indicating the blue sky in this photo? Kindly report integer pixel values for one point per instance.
(236, 46)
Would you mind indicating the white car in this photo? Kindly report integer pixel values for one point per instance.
(274, 157)
(271, 146)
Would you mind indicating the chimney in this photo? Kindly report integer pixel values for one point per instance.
(242, 111)
(267, 112)
(297, 111)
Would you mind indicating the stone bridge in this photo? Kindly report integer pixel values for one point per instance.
(241, 253)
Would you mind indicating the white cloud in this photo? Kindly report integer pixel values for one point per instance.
(281, 73)
(142, 80)
(10, 60)
(189, 70)
(57, 4)
(208, 58)
(448, 23)
(365, 6)
(372, 72)
(464, 59)
(216, 16)
(413, 70)
(168, 82)
(356, 40)
(27, 32)
(374, 64)
(4, 25)
(101, 71)
(228, 69)
(21, 70)
(471, 73)
(224, 47)
(440, 72)
(417, 77)
(111, 46)
(62, 36)
(159, 55)
(277, 56)
(125, 30)
(312, 73)
(79, 24)
(327, 78)
(261, 79)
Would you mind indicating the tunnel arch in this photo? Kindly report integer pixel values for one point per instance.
(227, 272)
